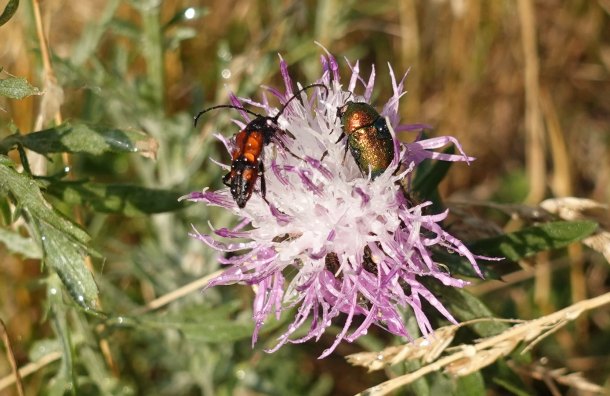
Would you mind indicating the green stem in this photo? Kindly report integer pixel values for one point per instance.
(153, 52)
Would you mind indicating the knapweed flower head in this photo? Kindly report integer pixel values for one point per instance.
(331, 242)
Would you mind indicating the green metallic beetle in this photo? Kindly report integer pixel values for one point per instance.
(368, 137)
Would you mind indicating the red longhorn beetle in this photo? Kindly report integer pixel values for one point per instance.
(247, 161)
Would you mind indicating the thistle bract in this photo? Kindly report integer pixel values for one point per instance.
(332, 241)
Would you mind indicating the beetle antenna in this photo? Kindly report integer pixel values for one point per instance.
(296, 95)
(196, 118)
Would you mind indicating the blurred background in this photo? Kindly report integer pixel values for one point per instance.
(523, 84)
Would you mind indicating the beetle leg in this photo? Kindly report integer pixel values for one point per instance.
(261, 170)
(325, 153)
(345, 152)
(226, 179)
(286, 149)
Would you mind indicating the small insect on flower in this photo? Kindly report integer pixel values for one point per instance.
(338, 249)
(247, 156)
(368, 137)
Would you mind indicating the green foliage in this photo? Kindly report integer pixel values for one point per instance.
(429, 174)
(26, 194)
(531, 240)
(16, 243)
(517, 245)
(17, 88)
(9, 11)
(128, 200)
(133, 74)
(82, 138)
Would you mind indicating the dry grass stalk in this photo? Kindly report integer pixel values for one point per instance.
(560, 376)
(425, 348)
(11, 358)
(474, 356)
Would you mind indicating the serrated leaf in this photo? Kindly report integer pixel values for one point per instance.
(17, 88)
(112, 198)
(63, 243)
(26, 193)
(83, 138)
(531, 240)
(19, 244)
(67, 259)
(9, 11)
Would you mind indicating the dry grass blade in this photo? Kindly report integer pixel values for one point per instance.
(29, 369)
(576, 380)
(425, 348)
(11, 358)
(572, 208)
(560, 376)
(472, 357)
(178, 293)
(476, 360)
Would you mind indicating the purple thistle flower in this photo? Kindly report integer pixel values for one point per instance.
(332, 241)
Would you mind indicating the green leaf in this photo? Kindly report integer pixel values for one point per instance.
(531, 240)
(89, 39)
(67, 259)
(464, 306)
(63, 243)
(471, 385)
(26, 194)
(65, 378)
(43, 347)
(459, 265)
(505, 377)
(9, 11)
(429, 175)
(19, 244)
(216, 331)
(202, 324)
(17, 88)
(83, 138)
(125, 199)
